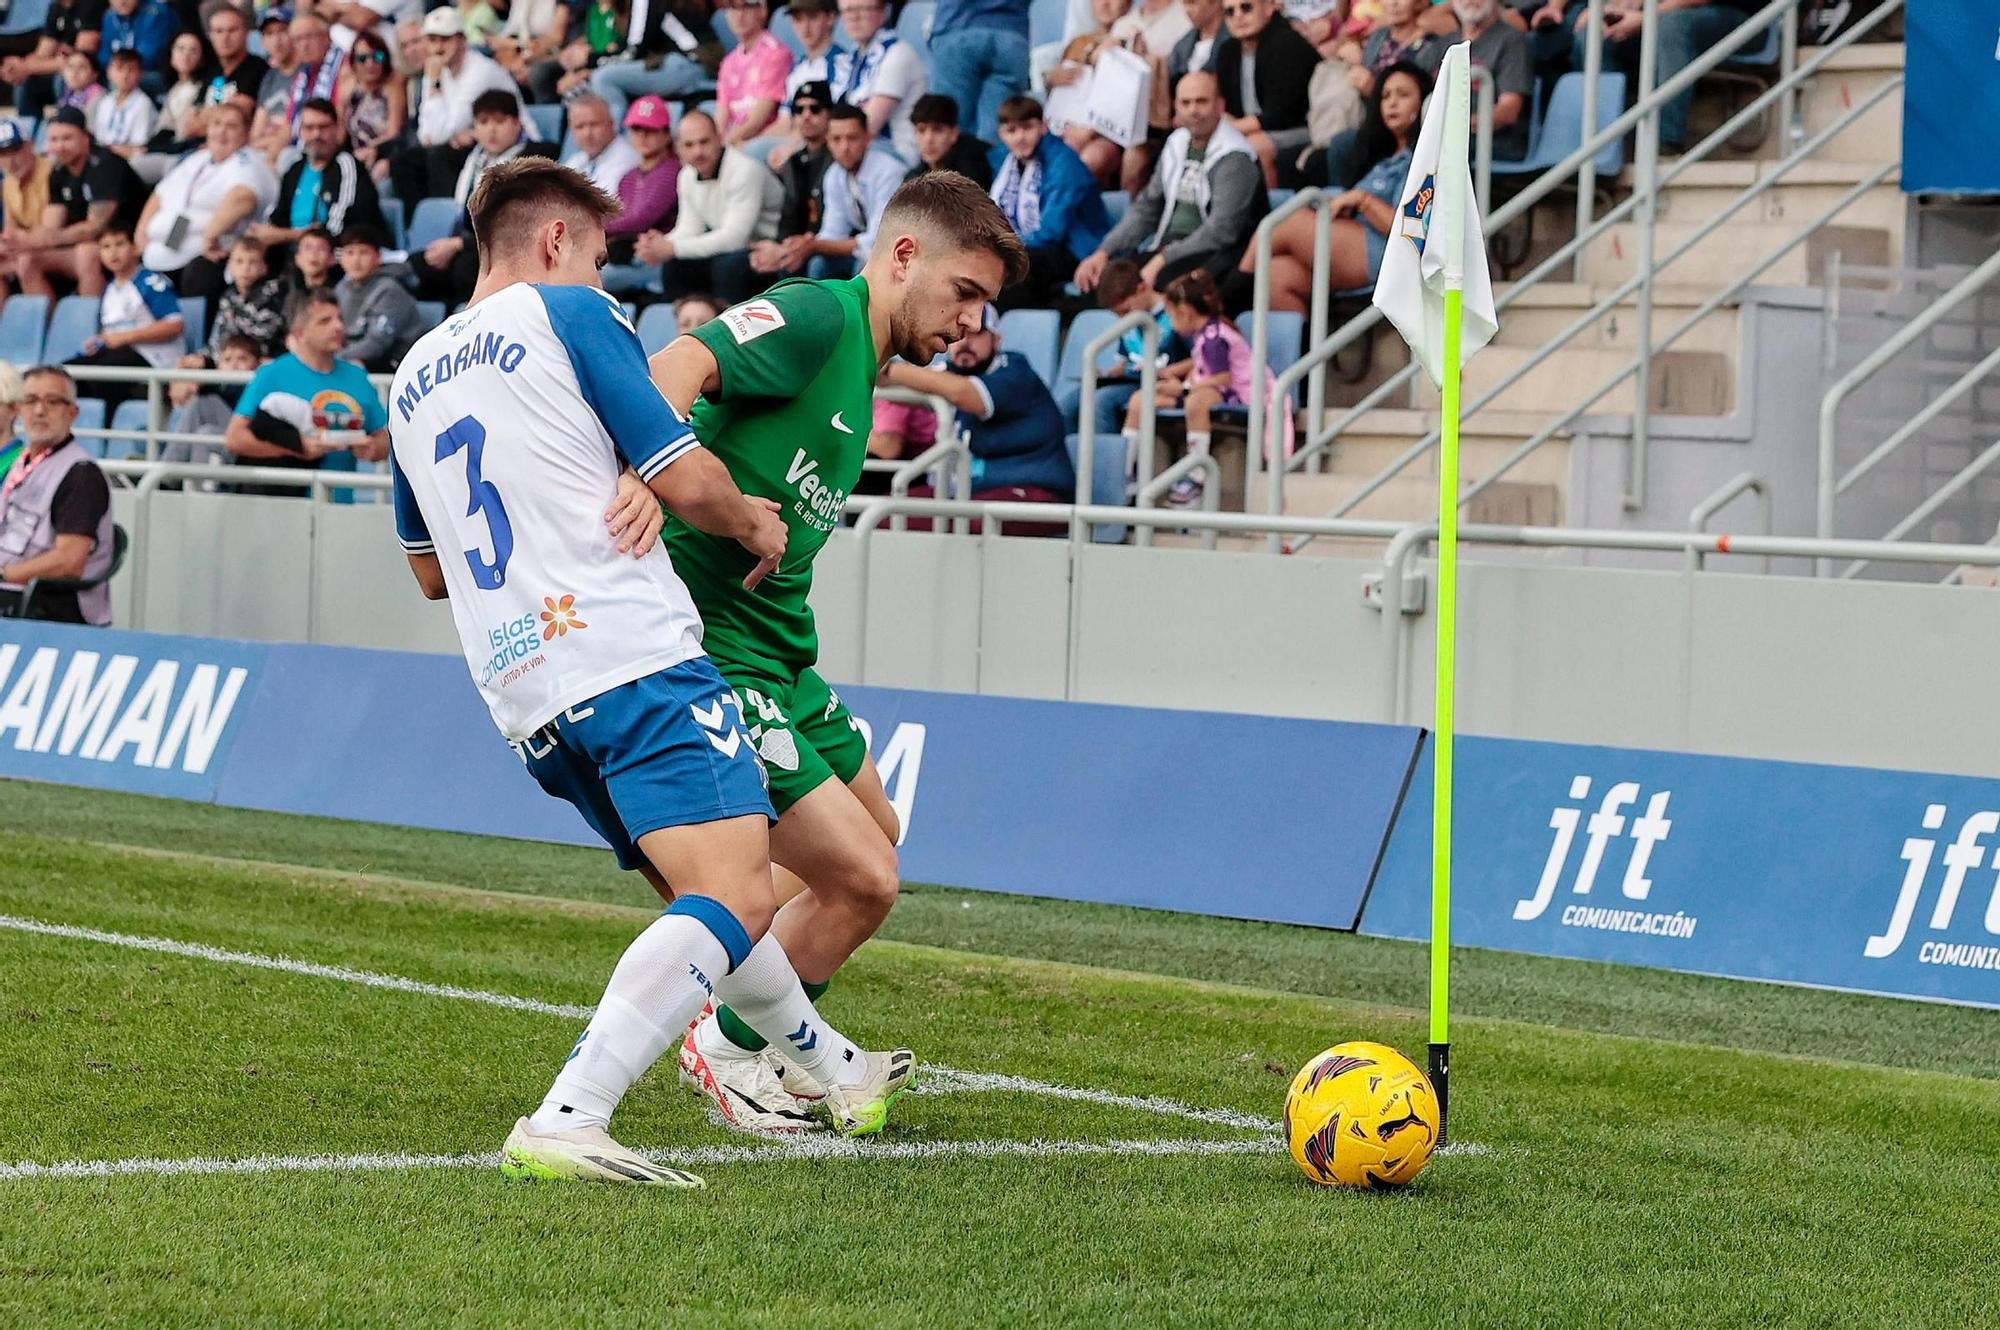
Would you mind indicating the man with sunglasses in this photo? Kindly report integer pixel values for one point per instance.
(1265, 69)
(803, 175)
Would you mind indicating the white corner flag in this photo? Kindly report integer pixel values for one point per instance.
(1410, 289)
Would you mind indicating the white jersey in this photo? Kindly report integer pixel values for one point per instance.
(509, 424)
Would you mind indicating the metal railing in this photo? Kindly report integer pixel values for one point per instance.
(1086, 422)
(948, 460)
(1747, 482)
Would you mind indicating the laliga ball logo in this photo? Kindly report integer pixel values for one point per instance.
(1361, 1115)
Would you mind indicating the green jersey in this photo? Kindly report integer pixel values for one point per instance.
(790, 421)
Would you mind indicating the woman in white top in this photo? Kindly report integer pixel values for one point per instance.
(204, 203)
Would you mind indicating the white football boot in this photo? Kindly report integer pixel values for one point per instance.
(587, 1154)
(863, 1109)
(741, 1085)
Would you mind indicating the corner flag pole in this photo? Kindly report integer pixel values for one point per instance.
(1452, 203)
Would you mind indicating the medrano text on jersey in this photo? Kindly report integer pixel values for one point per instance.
(482, 350)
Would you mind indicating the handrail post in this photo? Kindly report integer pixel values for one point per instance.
(1086, 421)
(1482, 156)
(1699, 515)
(1586, 171)
(1395, 576)
(1649, 205)
(1788, 102)
(1260, 332)
(156, 419)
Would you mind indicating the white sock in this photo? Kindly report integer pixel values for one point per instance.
(1197, 441)
(660, 983)
(764, 991)
(1131, 453)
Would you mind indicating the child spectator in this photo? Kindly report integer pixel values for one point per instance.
(138, 319)
(693, 310)
(378, 316)
(312, 263)
(205, 408)
(1123, 289)
(123, 120)
(80, 87)
(253, 306)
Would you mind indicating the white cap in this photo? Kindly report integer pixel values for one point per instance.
(443, 23)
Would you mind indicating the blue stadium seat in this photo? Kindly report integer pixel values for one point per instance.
(194, 314)
(1045, 21)
(1562, 128)
(1280, 197)
(1107, 480)
(913, 27)
(22, 322)
(630, 276)
(1761, 54)
(631, 311)
(129, 415)
(723, 33)
(89, 416)
(74, 320)
(430, 313)
(548, 119)
(1116, 201)
(24, 16)
(399, 234)
(1082, 328)
(656, 326)
(1035, 334)
(433, 220)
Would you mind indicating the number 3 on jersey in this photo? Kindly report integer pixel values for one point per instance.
(468, 436)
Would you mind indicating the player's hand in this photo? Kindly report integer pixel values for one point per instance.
(635, 516)
(766, 538)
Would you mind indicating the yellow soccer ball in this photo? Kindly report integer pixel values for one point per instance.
(1361, 1115)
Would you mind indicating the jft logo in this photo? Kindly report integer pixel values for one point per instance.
(1612, 822)
(1965, 853)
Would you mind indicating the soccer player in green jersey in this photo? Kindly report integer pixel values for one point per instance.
(786, 388)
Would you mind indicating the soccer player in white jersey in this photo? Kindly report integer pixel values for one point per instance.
(510, 425)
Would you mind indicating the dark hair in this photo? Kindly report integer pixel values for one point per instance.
(1196, 290)
(361, 233)
(1118, 283)
(946, 204)
(245, 342)
(934, 108)
(496, 101)
(1019, 109)
(248, 241)
(1374, 140)
(315, 232)
(843, 111)
(322, 105)
(812, 7)
(115, 229)
(700, 298)
(301, 303)
(51, 371)
(125, 56)
(512, 197)
(233, 108)
(367, 37)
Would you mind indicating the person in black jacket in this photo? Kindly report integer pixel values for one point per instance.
(337, 192)
(1265, 68)
(942, 146)
(662, 56)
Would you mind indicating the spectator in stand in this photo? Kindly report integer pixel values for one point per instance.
(812, 24)
(89, 190)
(534, 31)
(177, 109)
(123, 120)
(1320, 22)
(139, 322)
(233, 74)
(802, 175)
(1502, 51)
(1014, 428)
(204, 203)
(1203, 201)
(1219, 371)
(658, 55)
(318, 76)
(24, 205)
(308, 403)
(480, 21)
(378, 318)
(353, 19)
(728, 202)
(448, 267)
(1079, 55)
(373, 104)
(312, 267)
(205, 409)
(1196, 48)
(861, 180)
(325, 186)
(691, 311)
(1551, 29)
(604, 23)
(71, 25)
(1686, 29)
(980, 51)
(1265, 69)
(1048, 197)
(145, 26)
(1123, 290)
(650, 190)
(55, 508)
(602, 153)
(254, 304)
(1402, 38)
(881, 75)
(455, 78)
(1364, 215)
(751, 85)
(80, 87)
(274, 95)
(943, 146)
(1149, 30)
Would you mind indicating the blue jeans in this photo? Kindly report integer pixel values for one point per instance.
(619, 82)
(1684, 34)
(979, 68)
(1112, 395)
(829, 268)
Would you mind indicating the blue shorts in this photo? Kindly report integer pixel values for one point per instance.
(667, 750)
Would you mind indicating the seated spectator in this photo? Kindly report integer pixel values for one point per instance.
(812, 24)
(123, 120)
(1196, 48)
(270, 123)
(943, 146)
(378, 318)
(881, 75)
(1266, 69)
(980, 51)
(253, 306)
(533, 32)
(859, 184)
(317, 77)
(1685, 32)
(1124, 290)
(195, 408)
(1204, 200)
(1502, 51)
(89, 189)
(80, 87)
(480, 22)
(373, 104)
(355, 19)
(728, 202)
(139, 322)
(691, 311)
(659, 55)
(455, 77)
(1364, 215)
(203, 204)
(751, 85)
(232, 73)
(1079, 54)
(1318, 21)
(802, 175)
(70, 25)
(1048, 197)
(1151, 30)
(1019, 448)
(145, 26)
(602, 38)
(1401, 39)
(602, 153)
(55, 508)
(650, 190)
(308, 403)
(24, 202)
(179, 111)
(312, 267)
(325, 186)
(448, 267)
(1551, 29)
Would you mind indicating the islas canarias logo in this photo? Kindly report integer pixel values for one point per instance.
(559, 617)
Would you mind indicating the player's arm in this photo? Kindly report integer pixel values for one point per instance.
(414, 535)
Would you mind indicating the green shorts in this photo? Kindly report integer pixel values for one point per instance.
(801, 729)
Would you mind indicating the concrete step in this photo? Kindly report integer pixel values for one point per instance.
(1379, 437)
(1414, 498)
(1734, 251)
(1845, 81)
(1688, 383)
(1544, 311)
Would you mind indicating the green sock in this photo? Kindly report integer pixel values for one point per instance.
(747, 1039)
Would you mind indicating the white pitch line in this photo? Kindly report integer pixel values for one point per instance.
(944, 1080)
(836, 1148)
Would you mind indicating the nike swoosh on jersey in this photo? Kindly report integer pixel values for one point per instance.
(837, 425)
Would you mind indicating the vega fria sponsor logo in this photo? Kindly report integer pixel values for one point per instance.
(818, 503)
(1617, 820)
(1968, 850)
(165, 714)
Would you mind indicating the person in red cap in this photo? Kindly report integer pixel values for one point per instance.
(649, 190)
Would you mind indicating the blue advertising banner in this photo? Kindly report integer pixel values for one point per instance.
(1951, 97)
(1836, 877)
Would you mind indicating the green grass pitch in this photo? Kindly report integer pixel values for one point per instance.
(190, 1137)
